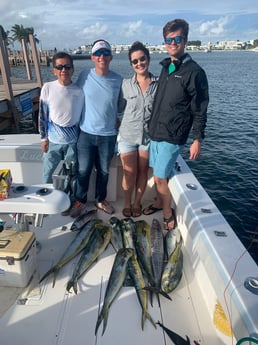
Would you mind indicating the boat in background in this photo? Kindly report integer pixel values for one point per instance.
(215, 302)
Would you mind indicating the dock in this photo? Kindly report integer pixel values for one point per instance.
(19, 98)
(16, 58)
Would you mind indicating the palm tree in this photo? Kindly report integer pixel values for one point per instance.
(20, 32)
(5, 36)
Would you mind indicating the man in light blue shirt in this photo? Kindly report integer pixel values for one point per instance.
(98, 127)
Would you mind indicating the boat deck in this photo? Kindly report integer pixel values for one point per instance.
(50, 315)
(216, 268)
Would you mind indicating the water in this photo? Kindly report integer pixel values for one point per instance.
(227, 168)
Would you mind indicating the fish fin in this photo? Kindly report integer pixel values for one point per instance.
(176, 338)
(157, 291)
(163, 293)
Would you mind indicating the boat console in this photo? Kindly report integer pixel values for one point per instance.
(35, 201)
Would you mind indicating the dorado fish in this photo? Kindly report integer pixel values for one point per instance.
(171, 238)
(98, 242)
(139, 284)
(142, 242)
(128, 229)
(173, 270)
(116, 239)
(83, 219)
(157, 251)
(157, 257)
(75, 247)
(176, 338)
(115, 282)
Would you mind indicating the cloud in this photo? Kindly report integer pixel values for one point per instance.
(216, 27)
(69, 24)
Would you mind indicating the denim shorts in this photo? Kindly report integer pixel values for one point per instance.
(163, 156)
(125, 147)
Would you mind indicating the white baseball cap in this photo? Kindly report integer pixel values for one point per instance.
(100, 45)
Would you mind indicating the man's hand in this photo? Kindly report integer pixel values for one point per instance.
(195, 150)
(44, 146)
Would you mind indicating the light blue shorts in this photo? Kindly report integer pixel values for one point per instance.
(163, 156)
(125, 147)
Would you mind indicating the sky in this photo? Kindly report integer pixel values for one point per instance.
(68, 24)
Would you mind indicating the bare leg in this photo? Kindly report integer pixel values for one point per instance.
(163, 194)
(129, 163)
(142, 177)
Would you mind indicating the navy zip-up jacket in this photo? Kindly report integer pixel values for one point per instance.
(180, 102)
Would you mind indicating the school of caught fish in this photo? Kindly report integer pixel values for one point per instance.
(153, 262)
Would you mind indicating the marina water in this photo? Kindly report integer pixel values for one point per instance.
(228, 166)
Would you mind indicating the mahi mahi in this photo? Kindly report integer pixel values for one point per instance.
(75, 247)
(83, 219)
(98, 242)
(142, 241)
(128, 229)
(173, 269)
(115, 283)
(116, 239)
(139, 284)
(157, 257)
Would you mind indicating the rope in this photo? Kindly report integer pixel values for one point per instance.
(240, 341)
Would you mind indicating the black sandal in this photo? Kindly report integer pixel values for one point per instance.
(171, 219)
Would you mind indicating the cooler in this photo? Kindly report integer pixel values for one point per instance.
(17, 257)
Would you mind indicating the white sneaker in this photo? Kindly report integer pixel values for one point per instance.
(77, 209)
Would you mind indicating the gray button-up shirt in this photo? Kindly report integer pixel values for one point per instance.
(136, 111)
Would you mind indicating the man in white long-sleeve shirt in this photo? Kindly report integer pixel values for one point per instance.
(61, 107)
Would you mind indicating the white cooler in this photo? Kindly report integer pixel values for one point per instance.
(17, 257)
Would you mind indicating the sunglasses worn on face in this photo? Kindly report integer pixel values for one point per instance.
(141, 59)
(102, 52)
(67, 67)
(176, 39)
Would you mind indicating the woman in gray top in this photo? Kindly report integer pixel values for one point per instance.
(133, 139)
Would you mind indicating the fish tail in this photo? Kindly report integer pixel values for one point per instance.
(103, 316)
(47, 274)
(100, 318)
(146, 315)
(105, 319)
(54, 277)
(150, 319)
(69, 286)
(75, 286)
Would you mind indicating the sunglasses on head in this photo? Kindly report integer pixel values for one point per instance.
(102, 52)
(176, 39)
(141, 59)
(67, 67)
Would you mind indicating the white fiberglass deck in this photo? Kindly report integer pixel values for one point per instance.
(215, 268)
(54, 316)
